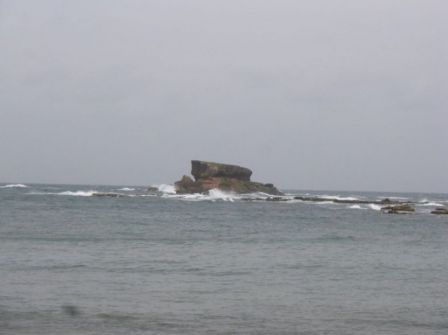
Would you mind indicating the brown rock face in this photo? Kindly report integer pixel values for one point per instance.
(202, 170)
(231, 178)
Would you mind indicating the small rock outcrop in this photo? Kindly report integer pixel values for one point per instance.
(225, 177)
(440, 211)
(399, 209)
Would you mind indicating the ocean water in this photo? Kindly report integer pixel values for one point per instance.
(74, 263)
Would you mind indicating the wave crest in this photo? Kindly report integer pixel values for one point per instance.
(14, 186)
(431, 204)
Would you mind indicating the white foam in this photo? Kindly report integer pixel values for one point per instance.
(14, 186)
(337, 197)
(432, 204)
(126, 189)
(375, 207)
(216, 194)
(168, 189)
(212, 195)
(355, 207)
(324, 203)
(67, 193)
(77, 193)
(255, 196)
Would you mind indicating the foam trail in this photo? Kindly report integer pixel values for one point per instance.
(355, 207)
(14, 186)
(127, 189)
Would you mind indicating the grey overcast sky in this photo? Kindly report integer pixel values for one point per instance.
(322, 94)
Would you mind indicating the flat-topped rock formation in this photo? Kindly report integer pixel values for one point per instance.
(225, 177)
(203, 170)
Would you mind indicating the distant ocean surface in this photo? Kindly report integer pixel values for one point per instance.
(75, 263)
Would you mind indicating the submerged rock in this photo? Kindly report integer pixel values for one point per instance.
(440, 211)
(109, 194)
(225, 177)
(71, 310)
(399, 209)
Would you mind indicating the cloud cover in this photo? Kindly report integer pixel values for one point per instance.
(323, 95)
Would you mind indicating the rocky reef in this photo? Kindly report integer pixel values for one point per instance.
(225, 177)
(404, 208)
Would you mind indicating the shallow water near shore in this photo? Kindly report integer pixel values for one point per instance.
(158, 263)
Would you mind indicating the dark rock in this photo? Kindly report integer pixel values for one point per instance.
(276, 199)
(152, 189)
(310, 199)
(399, 209)
(440, 211)
(109, 194)
(231, 178)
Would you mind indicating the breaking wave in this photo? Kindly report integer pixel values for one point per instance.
(126, 189)
(216, 194)
(375, 207)
(165, 188)
(14, 186)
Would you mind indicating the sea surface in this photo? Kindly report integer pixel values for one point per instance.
(158, 263)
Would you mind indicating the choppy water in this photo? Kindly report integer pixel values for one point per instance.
(71, 263)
